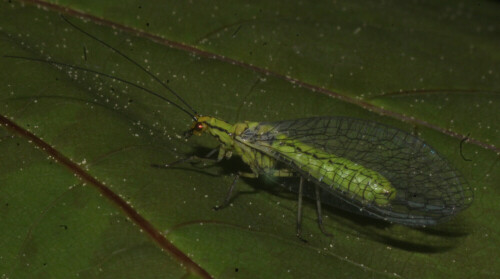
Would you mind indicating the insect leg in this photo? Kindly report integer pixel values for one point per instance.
(318, 211)
(212, 152)
(194, 159)
(231, 189)
(281, 173)
(229, 194)
(299, 210)
(288, 173)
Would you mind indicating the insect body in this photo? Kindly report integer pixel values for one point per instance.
(361, 166)
(263, 155)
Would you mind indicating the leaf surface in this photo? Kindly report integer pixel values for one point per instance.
(77, 148)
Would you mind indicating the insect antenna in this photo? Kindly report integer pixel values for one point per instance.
(461, 147)
(103, 75)
(133, 62)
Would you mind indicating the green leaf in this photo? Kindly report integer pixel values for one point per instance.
(79, 196)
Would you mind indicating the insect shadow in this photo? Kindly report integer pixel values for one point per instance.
(435, 239)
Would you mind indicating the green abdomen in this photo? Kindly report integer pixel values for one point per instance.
(339, 173)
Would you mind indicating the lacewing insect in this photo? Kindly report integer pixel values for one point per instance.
(360, 166)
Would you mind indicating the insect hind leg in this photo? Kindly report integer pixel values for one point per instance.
(318, 211)
(299, 210)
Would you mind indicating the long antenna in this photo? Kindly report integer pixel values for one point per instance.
(104, 75)
(131, 61)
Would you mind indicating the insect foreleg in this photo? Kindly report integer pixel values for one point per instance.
(224, 153)
(194, 159)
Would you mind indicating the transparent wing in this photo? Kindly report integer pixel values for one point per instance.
(429, 189)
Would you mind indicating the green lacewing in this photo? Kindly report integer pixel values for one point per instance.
(361, 166)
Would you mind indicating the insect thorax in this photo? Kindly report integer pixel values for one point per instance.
(228, 137)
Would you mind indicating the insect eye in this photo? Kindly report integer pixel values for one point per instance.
(198, 127)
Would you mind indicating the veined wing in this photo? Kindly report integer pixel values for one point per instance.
(428, 189)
